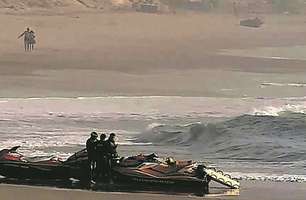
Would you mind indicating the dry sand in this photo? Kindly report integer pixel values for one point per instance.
(95, 54)
(249, 191)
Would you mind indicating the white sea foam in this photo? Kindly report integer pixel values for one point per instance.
(276, 111)
(152, 107)
(269, 177)
(301, 99)
(277, 53)
(265, 84)
(130, 143)
(278, 58)
(153, 125)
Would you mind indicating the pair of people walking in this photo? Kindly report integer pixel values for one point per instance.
(100, 155)
(29, 39)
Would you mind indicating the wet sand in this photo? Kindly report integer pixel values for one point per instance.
(250, 191)
(136, 54)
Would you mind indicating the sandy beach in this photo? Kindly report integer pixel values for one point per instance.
(136, 54)
(249, 191)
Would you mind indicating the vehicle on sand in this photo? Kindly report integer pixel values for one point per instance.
(147, 6)
(135, 172)
(254, 23)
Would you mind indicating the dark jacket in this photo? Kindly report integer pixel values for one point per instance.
(111, 148)
(91, 148)
(101, 148)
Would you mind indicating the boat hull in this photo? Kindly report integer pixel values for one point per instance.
(166, 184)
(20, 170)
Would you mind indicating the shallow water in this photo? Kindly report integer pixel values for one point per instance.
(278, 53)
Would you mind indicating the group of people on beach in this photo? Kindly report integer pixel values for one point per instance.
(29, 39)
(101, 154)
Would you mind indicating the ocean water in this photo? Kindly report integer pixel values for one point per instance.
(277, 53)
(252, 138)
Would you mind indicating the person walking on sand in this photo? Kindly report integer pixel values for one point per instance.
(32, 40)
(26, 37)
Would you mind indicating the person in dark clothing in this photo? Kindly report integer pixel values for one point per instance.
(111, 150)
(101, 156)
(32, 40)
(26, 38)
(91, 151)
(112, 146)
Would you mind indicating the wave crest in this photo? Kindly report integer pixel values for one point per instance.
(247, 137)
(276, 111)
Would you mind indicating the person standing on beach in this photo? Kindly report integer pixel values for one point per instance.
(32, 40)
(91, 151)
(26, 37)
(111, 149)
(101, 156)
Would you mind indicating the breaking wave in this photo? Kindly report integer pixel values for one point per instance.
(248, 137)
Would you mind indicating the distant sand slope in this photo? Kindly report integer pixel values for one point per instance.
(21, 4)
(34, 3)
